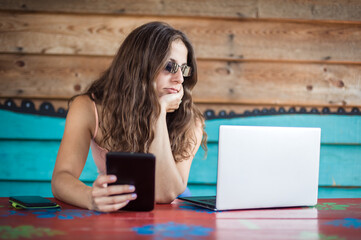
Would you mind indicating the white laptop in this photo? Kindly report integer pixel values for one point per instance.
(265, 167)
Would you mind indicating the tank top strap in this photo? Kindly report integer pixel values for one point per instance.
(96, 120)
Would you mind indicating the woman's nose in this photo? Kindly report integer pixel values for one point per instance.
(178, 76)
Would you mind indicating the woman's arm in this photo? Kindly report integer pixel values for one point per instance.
(71, 159)
(171, 177)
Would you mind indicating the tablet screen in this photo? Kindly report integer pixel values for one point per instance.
(137, 169)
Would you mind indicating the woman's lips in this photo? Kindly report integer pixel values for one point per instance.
(171, 90)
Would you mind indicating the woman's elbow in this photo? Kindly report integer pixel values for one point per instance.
(168, 196)
(165, 199)
(54, 187)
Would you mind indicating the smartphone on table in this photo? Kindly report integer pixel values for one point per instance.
(32, 202)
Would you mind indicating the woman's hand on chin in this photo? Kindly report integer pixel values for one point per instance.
(171, 101)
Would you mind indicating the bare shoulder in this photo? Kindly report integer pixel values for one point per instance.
(82, 104)
(81, 101)
(82, 112)
(198, 126)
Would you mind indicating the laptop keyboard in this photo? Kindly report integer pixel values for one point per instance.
(207, 200)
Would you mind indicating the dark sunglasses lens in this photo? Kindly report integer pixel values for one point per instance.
(169, 67)
(186, 71)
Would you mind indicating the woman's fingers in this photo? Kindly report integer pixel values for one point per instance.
(114, 200)
(110, 198)
(103, 180)
(112, 190)
(111, 208)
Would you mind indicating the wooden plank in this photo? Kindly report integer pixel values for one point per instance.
(278, 83)
(48, 76)
(311, 9)
(299, 9)
(212, 38)
(262, 83)
(210, 8)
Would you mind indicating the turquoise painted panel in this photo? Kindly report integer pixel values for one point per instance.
(27, 188)
(202, 190)
(43, 188)
(35, 160)
(28, 126)
(326, 192)
(29, 144)
(334, 128)
(340, 165)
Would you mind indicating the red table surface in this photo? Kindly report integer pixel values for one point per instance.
(329, 219)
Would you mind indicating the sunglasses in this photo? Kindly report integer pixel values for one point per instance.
(172, 67)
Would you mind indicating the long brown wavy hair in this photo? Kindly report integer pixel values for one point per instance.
(127, 94)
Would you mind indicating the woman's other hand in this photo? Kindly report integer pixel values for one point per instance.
(172, 100)
(106, 198)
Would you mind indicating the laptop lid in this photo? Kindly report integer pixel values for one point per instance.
(264, 167)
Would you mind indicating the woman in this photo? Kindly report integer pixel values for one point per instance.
(142, 103)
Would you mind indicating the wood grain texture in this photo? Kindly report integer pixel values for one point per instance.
(212, 38)
(347, 10)
(311, 9)
(220, 82)
(50, 77)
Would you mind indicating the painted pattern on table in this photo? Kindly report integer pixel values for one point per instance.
(67, 214)
(26, 231)
(29, 231)
(173, 230)
(335, 206)
(346, 222)
(158, 231)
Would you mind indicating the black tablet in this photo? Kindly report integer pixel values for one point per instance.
(137, 169)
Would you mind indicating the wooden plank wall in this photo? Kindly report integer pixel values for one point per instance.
(251, 53)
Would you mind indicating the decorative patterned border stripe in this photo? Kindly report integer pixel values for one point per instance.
(27, 106)
(47, 109)
(210, 114)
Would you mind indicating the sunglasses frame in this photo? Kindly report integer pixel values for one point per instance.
(173, 67)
